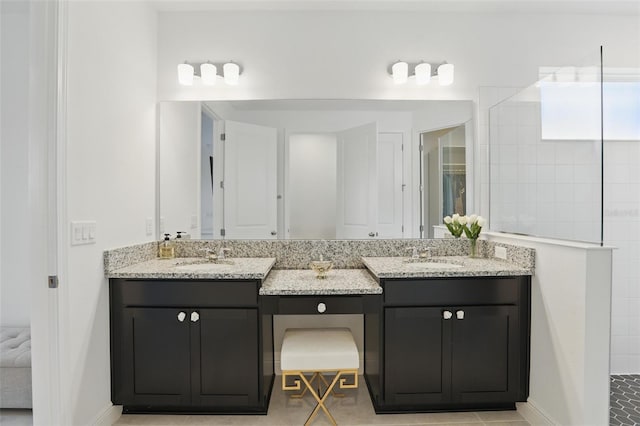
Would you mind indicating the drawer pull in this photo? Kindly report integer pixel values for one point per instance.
(195, 316)
(181, 316)
(460, 315)
(447, 315)
(322, 307)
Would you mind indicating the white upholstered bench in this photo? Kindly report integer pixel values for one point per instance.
(15, 367)
(317, 351)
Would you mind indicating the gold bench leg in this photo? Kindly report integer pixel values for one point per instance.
(321, 400)
(314, 377)
(339, 379)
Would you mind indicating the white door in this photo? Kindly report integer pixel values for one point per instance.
(357, 190)
(390, 185)
(250, 185)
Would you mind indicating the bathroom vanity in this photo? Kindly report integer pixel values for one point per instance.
(190, 338)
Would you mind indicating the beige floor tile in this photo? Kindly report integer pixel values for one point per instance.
(514, 423)
(152, 420)
(497, 416)
(355, 409)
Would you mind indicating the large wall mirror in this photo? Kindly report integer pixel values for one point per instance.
(312, 169)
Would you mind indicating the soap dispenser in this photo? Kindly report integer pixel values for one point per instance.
(166, 250)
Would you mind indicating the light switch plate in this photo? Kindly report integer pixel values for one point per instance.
(194, 221)
(501, 252)
(83, 232)
(149, 225)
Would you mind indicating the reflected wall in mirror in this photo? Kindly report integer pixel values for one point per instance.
(307, 169)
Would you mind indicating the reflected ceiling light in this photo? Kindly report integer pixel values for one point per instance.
(206, 73)
(231, 73)
(185, 74)
(423, 72)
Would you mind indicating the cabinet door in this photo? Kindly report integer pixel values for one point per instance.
(417, 356)
(225, 358)
(155, 352)
(485, 355)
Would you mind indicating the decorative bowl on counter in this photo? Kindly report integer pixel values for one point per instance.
(321, 267)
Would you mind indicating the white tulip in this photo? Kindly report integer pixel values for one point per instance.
(455, 217)
(473, 219)
(447, 219)
(462, 220)
(481, 221)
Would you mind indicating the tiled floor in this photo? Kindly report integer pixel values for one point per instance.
(625, 400)
(354, 409)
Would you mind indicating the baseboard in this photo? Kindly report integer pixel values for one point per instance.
(108, 416)
(533, 414)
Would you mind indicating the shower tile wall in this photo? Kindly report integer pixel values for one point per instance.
(622, 230)
(561, 183)
(546, 188)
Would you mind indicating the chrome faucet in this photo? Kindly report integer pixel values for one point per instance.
(210, 254)
(426, 252)
(414, 252)
(222, 252)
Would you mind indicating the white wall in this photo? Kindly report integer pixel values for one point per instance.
(570, 329)
(110, 175)
(15, 291)
(312, 186)
(180, 177)
(343, 54)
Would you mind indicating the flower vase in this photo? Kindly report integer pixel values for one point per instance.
(473, 247)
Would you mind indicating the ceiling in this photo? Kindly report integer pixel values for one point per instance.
(474, 6)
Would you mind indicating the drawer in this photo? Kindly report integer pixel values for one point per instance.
(453, 291)
(300, 305)
(177, 293)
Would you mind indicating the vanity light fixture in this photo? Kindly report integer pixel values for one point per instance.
(185, 74)
(231, 73)
(422, 72)
(207, 73)
(400, 72)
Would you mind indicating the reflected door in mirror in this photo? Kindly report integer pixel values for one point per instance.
(250, 186)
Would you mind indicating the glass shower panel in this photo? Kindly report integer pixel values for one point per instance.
(545, 157)
(621, 153)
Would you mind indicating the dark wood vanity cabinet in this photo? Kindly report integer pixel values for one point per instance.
(450, 343)
(189, 346)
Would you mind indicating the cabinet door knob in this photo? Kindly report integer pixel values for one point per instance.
(447, 315)
(195, 316)
(460, 314)
(181, 316)
(322, 307)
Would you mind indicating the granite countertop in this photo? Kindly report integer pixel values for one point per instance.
(451, 266)
(198, 268)
(292, 282)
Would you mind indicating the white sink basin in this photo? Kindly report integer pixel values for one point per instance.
(204, 267)
(431, 265)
